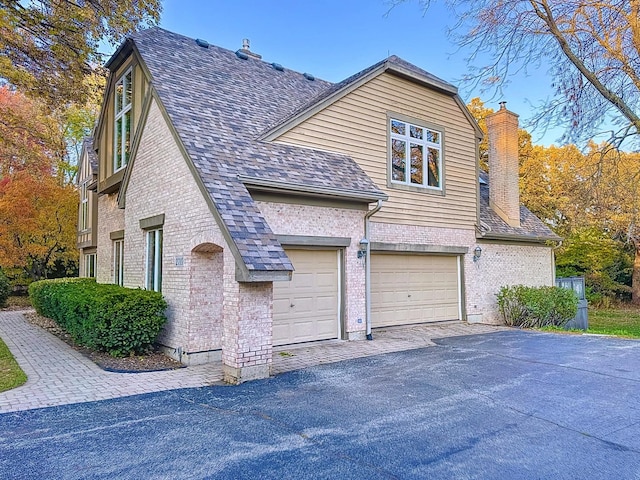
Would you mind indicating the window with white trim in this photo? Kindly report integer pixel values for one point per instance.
(416, 155)
(153, 271)
(122, 126)
(118, 262)
(90, 265)
(84, 206)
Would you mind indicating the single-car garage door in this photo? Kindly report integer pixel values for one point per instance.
(306, 308)
(407, 289)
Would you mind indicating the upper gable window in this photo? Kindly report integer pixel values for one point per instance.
(84, 206)
(122, 127)
(416, 155)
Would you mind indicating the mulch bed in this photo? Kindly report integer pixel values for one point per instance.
(152, 362)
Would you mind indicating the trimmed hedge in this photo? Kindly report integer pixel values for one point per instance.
(533, 307)
(5, 289)
(120, 321)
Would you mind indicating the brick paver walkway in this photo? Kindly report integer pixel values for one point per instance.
(59, 375)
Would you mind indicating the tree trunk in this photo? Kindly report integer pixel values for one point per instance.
(635, 278)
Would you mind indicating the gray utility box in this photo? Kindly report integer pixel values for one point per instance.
(581, 321)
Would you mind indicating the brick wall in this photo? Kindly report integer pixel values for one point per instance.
(161, 183)
(110, 219)
(499, 264)
(247, 350)
(291, 219)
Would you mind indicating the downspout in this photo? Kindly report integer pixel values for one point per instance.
(367, 268)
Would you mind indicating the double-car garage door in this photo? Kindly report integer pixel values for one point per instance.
(405, 289)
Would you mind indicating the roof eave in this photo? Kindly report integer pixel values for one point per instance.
(430, 82)
(386, 66)
(515, 237)
(254, 183)
(120, 54)
(244, 275)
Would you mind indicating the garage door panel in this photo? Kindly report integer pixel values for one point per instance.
(409, 289)
(313, 292)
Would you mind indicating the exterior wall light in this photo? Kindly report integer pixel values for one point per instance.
(362, 252)
(476, 254)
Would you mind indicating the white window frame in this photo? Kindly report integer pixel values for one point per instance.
(426, 146)
(118, 262)
(153, 260)
(84, 206)
(120, 160)
(90, 265)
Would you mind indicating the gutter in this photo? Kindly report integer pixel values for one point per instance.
(367, 267)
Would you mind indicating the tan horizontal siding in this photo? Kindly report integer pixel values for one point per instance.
(357, 126)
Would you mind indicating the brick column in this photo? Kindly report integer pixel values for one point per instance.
(246, 342)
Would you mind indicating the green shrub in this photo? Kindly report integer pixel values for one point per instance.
(533, 307)
(110, 318)
(5, 289)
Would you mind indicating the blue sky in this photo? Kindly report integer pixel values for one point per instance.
(334, 39)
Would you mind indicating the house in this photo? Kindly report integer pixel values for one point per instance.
(271, 207)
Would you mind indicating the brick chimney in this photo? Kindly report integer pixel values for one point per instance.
(504, 191)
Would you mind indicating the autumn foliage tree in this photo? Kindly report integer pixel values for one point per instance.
(38, 206)
(49, 46)
(29, 139)
(592, 199)
(37, 226)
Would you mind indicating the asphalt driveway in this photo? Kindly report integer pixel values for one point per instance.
(506, 405)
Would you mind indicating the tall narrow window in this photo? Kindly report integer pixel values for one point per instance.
(122, 127)
(84, 207)
(90, 265)
(153, 277)
(118, 262)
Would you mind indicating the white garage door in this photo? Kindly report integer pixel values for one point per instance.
(407, 289)
(306, 308)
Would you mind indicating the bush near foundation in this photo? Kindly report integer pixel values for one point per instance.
(534, 307)
(5, 289)
(120, 321)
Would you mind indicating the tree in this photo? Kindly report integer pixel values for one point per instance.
(77, 122)
(29, 139)
(37, 225)
(590, 48)
(591, 199)
(605, 263)
(49, 46)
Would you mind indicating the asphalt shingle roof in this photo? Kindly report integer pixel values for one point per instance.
(531, 227)
(219, 104)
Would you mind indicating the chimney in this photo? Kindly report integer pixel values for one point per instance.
(246, 46)
(504, 191)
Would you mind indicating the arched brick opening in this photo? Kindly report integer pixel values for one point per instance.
(205, 297)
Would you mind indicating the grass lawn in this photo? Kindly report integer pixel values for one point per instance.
(11, 375)
(623, 322)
